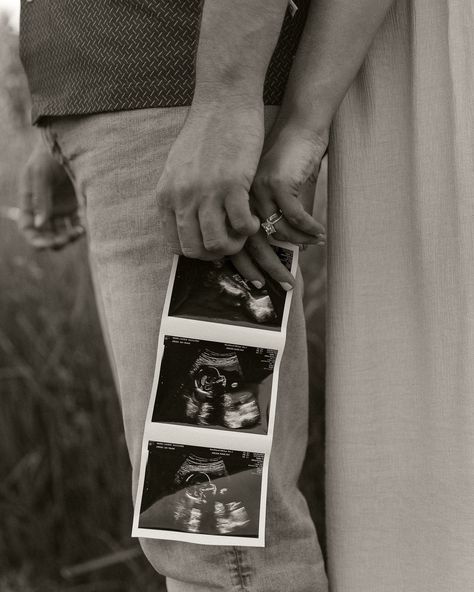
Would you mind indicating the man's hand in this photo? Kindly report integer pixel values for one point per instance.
(48, 204)
(204, 190)
(203, 193)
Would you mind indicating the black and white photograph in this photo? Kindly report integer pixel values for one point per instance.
(200, 490)
(215, 291)
(215, 385)
(178, 177)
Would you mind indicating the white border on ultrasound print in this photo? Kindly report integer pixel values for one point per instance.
(265, 440)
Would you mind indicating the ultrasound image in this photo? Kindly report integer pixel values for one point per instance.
(201, 490)
(212, 384)
(216, 292)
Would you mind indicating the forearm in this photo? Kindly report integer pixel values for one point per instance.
(335, 41)
(236, 43)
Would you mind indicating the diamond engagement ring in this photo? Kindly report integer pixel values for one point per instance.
(269, 223)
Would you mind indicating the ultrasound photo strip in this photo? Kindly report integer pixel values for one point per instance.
(212, 405)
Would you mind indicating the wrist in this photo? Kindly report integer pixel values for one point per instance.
(231, 94)
(305, 124)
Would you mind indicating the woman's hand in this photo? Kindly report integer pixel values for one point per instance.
(203, 192)
(291, 158)
(257, 256)
(49, 216)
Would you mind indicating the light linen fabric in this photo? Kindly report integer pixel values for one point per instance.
(116, 160)
(400, 383)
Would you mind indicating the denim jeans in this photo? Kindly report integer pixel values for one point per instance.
(115, 160)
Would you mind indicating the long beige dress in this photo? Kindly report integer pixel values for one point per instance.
(400, 375)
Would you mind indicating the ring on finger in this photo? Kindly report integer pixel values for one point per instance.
(268, 224)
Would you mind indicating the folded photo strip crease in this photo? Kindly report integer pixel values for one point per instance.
(209, 427)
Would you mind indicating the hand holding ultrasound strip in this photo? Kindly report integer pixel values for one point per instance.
(209, 428)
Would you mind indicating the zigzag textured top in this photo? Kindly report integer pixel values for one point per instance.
(90, 56)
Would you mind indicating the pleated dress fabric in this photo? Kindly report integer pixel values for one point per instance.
(400, 331)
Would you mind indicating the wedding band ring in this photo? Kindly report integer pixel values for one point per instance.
(268, 224)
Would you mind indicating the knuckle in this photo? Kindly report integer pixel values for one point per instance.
(276, 183)
(230, 184)
(215, 244)
(191, 252)
(170, 192)
(295, 218)
(242, 225)
(182, 223)
(181, 188)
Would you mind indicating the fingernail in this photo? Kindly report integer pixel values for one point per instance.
(321, 243)
(40, 219)
(286, 286)
(257, 284)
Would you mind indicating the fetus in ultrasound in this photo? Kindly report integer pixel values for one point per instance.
(216, 393)
(203, 506)
(215, 291)
(256, 303)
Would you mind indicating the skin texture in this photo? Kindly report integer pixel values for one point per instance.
(335, 41)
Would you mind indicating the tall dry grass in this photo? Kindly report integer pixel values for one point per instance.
(64, 470)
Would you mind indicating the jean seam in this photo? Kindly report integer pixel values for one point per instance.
(239, 570)
(51, 143)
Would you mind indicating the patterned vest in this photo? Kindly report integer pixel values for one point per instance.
(89, 56)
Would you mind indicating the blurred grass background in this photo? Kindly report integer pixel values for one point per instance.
(65, 509)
